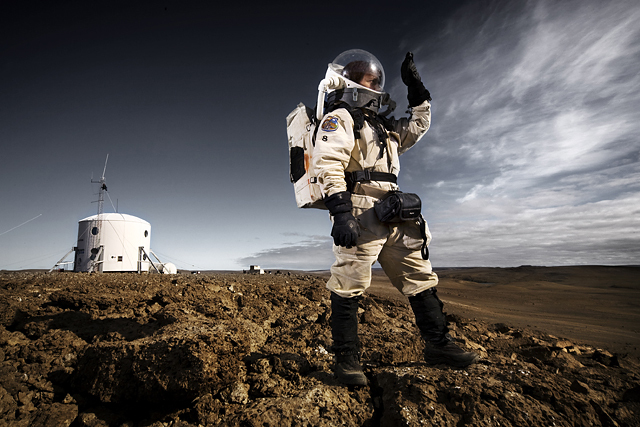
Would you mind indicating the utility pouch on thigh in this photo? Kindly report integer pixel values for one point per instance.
(397, 206)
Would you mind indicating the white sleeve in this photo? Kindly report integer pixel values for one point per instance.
(332, 152)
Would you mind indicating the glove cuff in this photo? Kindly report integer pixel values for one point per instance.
(339, 203)
(417, 94)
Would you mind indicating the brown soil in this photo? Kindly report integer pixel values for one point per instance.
(597, 305)
(559, 347)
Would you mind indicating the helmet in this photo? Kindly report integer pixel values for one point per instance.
(360, 69)
(355, 77)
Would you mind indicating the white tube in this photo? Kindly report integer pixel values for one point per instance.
(322, 88)
(326, 84)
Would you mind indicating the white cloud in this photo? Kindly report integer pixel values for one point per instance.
(534, 135)
(312, 253)
(603, 232)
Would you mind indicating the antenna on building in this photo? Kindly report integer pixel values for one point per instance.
(103, 187)
(96, 231)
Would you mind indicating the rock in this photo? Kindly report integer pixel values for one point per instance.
(562, 343)
(236, 393)
(565, 360)
(476, 348)
(206, 410)
(322, 406)
(89, 419)
(8, 405)
(55, 415)
(502, 328)
(538, 353)
(630, 395)
(175, 367)
(580, 387)
(604, 357)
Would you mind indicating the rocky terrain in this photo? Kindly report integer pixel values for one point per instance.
(252, 350)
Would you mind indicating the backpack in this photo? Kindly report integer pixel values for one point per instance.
(302, 127)
(301, 132)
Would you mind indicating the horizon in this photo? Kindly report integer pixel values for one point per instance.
(268, 270)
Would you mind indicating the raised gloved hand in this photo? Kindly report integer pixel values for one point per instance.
(417, 93)
(345, 229)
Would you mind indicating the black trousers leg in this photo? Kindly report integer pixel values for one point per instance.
(430, 318)
(344, 324)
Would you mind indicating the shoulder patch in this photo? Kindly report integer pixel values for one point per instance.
(330, 124)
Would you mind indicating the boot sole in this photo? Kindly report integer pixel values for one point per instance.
(451, 362)
(352, 379)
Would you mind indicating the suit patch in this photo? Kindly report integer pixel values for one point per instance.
(330, 124)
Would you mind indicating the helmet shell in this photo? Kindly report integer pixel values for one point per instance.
(356, 65)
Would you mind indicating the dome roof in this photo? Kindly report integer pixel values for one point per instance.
(114, 217)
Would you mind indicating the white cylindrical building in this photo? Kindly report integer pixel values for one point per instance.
(113, 242)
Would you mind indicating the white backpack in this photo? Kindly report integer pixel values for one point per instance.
(301, 129)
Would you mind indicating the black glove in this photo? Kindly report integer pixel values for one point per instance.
(417, 93)
(345, 229)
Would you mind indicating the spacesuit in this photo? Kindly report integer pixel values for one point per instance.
(356, 160)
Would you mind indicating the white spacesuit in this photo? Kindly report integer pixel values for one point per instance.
(356, 160)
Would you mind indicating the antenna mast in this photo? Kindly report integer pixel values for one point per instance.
(94, 238)
(103, 188)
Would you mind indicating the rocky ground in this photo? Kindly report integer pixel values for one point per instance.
(244, 350)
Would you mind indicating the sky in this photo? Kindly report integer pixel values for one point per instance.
(532, 157)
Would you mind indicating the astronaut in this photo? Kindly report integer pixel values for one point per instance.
(356, 162)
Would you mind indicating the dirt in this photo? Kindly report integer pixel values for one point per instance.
(253, 350)
(598, 305)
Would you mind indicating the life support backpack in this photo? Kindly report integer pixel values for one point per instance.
(302, 127)
(301, 130)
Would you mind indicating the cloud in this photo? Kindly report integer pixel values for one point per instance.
(311, 253)
(603, 232)
(511, 108)
(534, 134)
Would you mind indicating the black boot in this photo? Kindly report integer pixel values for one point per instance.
(344, 328)
(348, 370)
(439, 346)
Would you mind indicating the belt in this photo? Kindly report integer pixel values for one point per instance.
(362, 176)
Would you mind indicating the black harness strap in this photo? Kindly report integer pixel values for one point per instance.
(363, 176)
(424, 250)
(360, 115)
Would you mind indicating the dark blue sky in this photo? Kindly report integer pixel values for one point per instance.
(532, 157)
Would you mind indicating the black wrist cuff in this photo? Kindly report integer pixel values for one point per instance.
(417, 94)
(339, 203)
